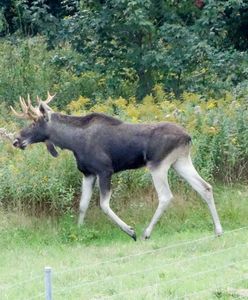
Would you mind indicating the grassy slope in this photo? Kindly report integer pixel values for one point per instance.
(27, 245)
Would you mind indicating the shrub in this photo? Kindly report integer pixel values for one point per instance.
(32, 180)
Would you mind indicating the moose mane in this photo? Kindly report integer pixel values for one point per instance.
(84, 121)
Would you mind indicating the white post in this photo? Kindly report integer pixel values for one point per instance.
(48, 283)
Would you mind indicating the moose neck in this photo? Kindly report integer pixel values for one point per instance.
(63, 132)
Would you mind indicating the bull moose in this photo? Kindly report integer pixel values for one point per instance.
(104, 145)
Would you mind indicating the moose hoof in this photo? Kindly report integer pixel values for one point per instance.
(134, 237)
(146, 236)
(218, 232)
(132, 233)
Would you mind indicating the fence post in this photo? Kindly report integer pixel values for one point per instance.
(48, 283)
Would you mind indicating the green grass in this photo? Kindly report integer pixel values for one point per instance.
(100, 261)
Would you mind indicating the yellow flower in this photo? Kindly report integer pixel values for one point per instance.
(101, 108)
(132, 111)
(79, 104)
(212, 104)
(121, 102)
(45, 178)
(191, 98)
(148, 100)
(212, 130)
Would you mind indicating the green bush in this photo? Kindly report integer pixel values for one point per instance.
(36, 182)
(36, 70)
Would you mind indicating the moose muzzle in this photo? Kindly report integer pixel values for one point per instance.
(20, 144)
(16, 143)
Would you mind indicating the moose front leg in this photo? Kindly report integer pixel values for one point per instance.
(105, 195)
(87, 189)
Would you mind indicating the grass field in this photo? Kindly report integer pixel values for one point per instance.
(182, 260)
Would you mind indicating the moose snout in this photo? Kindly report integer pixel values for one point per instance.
(20, 143)
(16, 142)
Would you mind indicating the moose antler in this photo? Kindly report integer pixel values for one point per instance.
(49, 97)
(48, 100)
(28, 110)
(7, 135)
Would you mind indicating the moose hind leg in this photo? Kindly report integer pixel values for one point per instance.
(186, 169)
(105, 195)
(159, 176)
(87, 189)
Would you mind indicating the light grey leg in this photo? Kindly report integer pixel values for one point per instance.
(87, 189)
(185, 168)
(159, 176)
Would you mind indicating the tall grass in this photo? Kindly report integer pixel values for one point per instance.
(34, 180)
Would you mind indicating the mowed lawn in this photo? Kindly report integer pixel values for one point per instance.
(182, 260)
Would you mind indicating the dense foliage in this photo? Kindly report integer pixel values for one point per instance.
(141, 60)
(218, 127)
(131, 45)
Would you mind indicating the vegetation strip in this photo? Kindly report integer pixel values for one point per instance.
(151, 269)
(151, 251)
(21, 282)
(211, 289)
(135, 255)
(174, 280)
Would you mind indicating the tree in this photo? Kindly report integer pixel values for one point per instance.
(183, 45)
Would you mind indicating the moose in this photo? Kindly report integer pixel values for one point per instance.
(103, 145)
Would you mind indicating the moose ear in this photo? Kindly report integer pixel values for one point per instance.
(45, 111)
(51, 149)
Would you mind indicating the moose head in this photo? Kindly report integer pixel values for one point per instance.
(37, 131)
